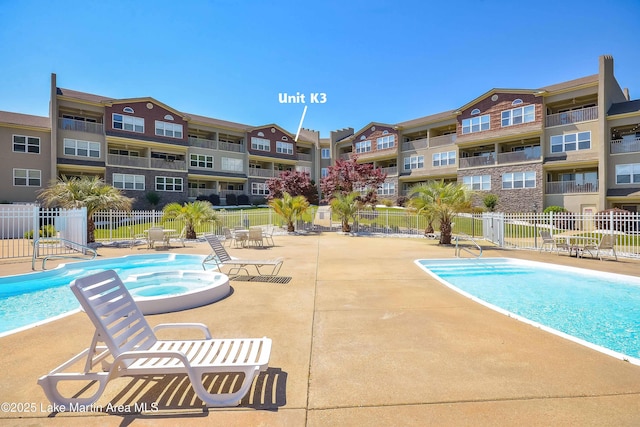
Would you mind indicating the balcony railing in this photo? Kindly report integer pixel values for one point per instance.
(304, 157)
(195, 192)
(265, 173)
(230, 146)
(81, 126)
(625, 145)
(225, 193)
(564, 187)
(439, 141)
(470, 162)
(145, 162)
(203, 143)
(574, 116)
(345, 156)
(415, 144)
(392, 170)
(519, 156)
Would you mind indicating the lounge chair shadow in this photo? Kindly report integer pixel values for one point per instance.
(262, 279)
(158, 396)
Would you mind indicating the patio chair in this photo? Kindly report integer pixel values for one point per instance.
(547, 240)
(268, 235)
(228, 235)
(136, 350)
(255, 237)
(179, 237)
(157, 234)
(607, 244)
(220, 257)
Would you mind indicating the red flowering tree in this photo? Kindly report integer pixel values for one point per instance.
(296, 183)
(347, 176)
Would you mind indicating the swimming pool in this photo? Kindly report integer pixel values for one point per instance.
(28, 299)
(600, 310)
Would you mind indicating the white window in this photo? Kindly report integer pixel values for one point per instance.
(386, 142)
(571, 142)
(363, 146)
(519, 180)
(259, 189)
(520, 115)
(76, 147)
(324, 172)
(387, 189)
(231, 164)
(444, 159)
(130, 123)
(413, 162)
(26, 144)
(27, 177)
(476, 124)
(260, 144)
(326, 153)
(171, 130)
(628, 174)
(128, 182)
(479, 182)
(168, 183)
(284, 147)
(201, 161)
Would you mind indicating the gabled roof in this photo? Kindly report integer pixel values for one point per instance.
(272, 125)
(145, 99)
(364, 128)
(25, 120)
(494, 91)
(582, 81)
(624, 107)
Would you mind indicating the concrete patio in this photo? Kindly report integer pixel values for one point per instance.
(361, 336)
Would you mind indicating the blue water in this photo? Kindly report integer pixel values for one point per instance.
(600, 308)
(34, 297)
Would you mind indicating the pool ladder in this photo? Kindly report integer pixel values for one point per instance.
(58, 248)
(459, 248)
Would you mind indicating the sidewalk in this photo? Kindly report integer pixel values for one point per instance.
(361, 336)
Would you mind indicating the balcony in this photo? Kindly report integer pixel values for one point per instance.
(145, 162)
(230, 146)
(304, 157)
(439, 141)
(345, 156)
(81, 126)
(527, 155)
(416, 144)
(574, 116)
(472, 162)
(203, 143)
(195, 192)
(264, 173)
(392, 170)
(565, 187)
(625, 145)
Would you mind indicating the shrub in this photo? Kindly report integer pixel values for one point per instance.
(243, 199)
(214, 199)
(490, 201)
(387, 202)
(259, 201)
(554, 209)
(232, 200)
(202, 198)
(402, 201)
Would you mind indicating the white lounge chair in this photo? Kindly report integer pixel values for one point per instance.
(220, 257)
(157, 234)
(136, 351)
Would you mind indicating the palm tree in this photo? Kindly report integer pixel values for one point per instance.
(442, 202)
(192, 214)
(90, 192)
(346, 207)
(289, 207)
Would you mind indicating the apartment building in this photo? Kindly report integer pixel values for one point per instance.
(574, 144)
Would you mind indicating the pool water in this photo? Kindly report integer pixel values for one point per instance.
(599, 308)
(30, 298)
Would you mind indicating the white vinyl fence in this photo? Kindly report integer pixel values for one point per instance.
(21, 224)
(511, 231)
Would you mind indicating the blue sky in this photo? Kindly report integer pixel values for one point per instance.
(383, 61)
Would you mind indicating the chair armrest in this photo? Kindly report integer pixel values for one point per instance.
(201, 326)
